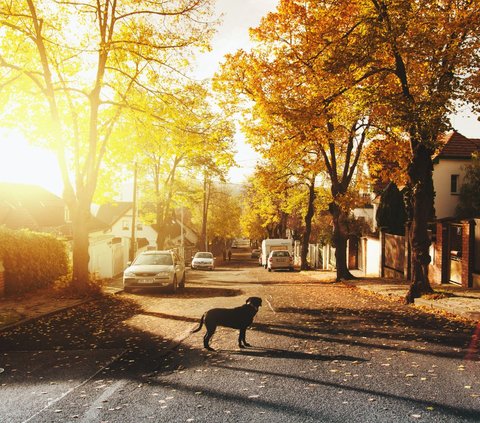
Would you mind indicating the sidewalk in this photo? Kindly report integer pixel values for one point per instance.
(449, 298)
(21, 309)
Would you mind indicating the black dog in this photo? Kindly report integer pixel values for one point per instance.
(236, 318)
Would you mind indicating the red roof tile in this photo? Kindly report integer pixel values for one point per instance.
(458, 146)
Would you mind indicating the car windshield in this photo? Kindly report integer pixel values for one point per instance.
(204, 255)
(281, 254)
(154, 259)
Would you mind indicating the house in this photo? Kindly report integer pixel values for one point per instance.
(118, 217)
(31, 207)
(178, 232)
(455, 248)
(449, 171)
(25, 206)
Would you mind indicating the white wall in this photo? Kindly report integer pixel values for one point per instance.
(146, 232)
(100, 251)
(368, 214)
(445, 201)
(372, 256)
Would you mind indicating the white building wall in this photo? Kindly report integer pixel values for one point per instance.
(445, 201)
(372, 256)
(368, 214)
(123, 229)
(101, 258)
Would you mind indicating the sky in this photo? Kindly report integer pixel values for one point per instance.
(24, 163)
(237, 17)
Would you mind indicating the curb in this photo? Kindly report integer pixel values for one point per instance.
(430, 304)
(471, 315)
(46, 314)
(113, 291)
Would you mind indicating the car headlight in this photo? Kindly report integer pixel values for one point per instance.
(163, 275)
(129, 274)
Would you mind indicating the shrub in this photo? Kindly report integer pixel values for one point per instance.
(469, 200)
(31, 260)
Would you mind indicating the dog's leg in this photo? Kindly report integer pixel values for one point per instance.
(242, 343)
(208, 336)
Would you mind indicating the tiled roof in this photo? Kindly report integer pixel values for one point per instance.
(30, 206)
(458, 146)
(25, 206)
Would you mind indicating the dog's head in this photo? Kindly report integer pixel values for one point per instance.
(254, 301)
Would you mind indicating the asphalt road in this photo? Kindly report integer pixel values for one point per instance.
(322, 352)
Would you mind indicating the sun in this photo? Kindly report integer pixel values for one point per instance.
(21, 162)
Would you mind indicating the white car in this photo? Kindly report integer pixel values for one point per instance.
(155, 269)
(280, 259)
(203, 260)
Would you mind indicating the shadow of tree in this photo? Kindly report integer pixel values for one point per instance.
(191, 292)
(373, 328)
(289, 354)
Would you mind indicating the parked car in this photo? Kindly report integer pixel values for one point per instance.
(203, 260)
(155, 269)
(241, 243)
(280, 259)
(256, 253)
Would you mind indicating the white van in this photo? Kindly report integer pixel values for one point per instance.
(271, 244)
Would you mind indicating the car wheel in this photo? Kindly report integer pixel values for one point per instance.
(174, 285)
(181, 285)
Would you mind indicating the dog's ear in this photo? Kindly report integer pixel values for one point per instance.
(249, 300)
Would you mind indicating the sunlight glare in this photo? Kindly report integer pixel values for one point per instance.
(20, 162)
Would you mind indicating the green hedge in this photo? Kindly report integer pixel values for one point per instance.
(31, 260)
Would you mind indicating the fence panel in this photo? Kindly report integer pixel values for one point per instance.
(394, 255)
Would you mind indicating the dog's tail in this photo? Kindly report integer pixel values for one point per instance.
(200, 325)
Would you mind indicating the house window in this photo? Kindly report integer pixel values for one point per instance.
(125, 225)
(454, 184)
(139, 227)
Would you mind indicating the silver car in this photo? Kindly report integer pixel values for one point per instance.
(155, 269)
(280, 259)
(203, 260)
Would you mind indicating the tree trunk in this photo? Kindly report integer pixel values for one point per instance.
(80, 275)
(308, 226)
(420, 174)
(340, 238)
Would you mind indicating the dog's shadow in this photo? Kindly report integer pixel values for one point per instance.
(289, 354)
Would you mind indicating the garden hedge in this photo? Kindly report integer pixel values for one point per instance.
(31, 260)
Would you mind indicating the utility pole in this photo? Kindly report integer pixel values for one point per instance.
(204, 212)
(133, 241)
(182, 236)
